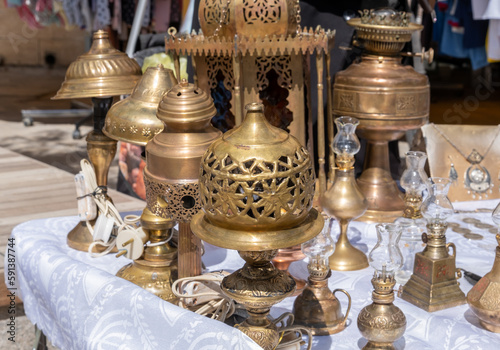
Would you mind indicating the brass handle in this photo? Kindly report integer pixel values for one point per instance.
(291, 318)
(448, 245)
(348, 306)
(299, 329)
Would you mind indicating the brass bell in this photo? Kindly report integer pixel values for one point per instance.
(103, 71)
(134, 118)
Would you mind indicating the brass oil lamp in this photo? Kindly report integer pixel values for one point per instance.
(344, 200)
(433, 285)
(387, 97)
(173, 162)
(484, 297)
(382, 322)
(134, 120)
(257, 187)
(101, 73)
(317, 307)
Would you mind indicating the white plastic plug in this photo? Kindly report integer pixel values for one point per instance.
(132, 241)
(87, 209)
(103, 228)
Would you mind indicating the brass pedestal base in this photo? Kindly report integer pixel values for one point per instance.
(318, 309)
(154, 276)
(385, 201)
(80, 238)
(346, 257)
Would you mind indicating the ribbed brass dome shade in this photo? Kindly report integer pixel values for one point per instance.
(101, 72)
(134, 118)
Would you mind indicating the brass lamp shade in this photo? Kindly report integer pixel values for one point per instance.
(134, 118)
(103, 71)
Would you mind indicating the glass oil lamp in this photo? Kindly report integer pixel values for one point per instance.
(484, 296)
(100, 74)
(316, 307)
(434, 283)
(382, 322)
(414, 181)
(344, 200)
(134, 120)
(257, 187)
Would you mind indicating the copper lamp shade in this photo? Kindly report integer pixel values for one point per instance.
(134, 119)
(103, 71)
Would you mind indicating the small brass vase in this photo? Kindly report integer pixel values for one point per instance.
(256, 186)
(344, 200)
(156, 270)
(382, 322)
(484, 297)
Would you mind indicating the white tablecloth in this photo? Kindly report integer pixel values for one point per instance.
(79, 303)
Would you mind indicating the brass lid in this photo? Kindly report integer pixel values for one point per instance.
(101, 72)
(384, 31)
(256, 177)
(186, 108)
(134, 118)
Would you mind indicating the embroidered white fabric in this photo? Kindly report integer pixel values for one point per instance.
(79, 303)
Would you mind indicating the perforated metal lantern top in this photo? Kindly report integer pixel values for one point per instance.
(256, 187)
(101, 72)
(173, 156)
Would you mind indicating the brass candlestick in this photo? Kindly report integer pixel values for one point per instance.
(317, 307)
(257, 186)
(134, 120)
(173, 162)
(344, 200)
(382, 322)
(100, 73)
(387, 97)
(433, 285)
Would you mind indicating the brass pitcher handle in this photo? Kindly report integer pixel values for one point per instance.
(348, 306)
(301, 330)
(281, 318)
(452, 245)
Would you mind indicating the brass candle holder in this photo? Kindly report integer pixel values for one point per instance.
(134, 120)
(382, 322)
(344, 200)
(173, 162)
(101, 73)
(387, 97)
(257, 186)
(434, 283)
(317, 307)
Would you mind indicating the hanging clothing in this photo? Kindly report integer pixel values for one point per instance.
(490, 10)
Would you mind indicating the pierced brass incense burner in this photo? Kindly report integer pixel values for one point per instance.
(433, 285)
(257, 186)
(344, 200)
(101, 73)
(387, 97)
(172, 165)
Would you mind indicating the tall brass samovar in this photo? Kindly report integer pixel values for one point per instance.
(387, 97)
